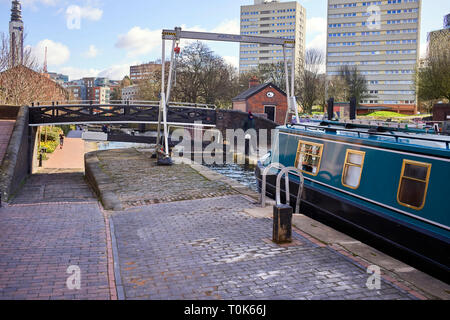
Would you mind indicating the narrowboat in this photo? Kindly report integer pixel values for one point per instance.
(387, 187)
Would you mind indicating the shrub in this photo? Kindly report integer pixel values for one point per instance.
(52, 134)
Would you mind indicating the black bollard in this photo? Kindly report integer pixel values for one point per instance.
(353, 108)
(247, 151)
(40, 160)
(330, 109)
(282, 223)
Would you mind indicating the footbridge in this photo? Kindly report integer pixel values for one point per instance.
(84, 114)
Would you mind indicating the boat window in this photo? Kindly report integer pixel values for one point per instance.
(353, 168)
(413, 186)
(309, 156)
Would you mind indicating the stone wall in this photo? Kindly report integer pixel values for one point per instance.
(234, 119)
(16, 165)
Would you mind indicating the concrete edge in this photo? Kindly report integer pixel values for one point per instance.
(399, 274)
(99, 181)
(117, 275)
(8, 165)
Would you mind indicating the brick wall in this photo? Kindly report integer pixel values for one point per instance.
(441, 112)
(256, 103)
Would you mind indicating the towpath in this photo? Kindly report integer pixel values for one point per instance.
(185, 233)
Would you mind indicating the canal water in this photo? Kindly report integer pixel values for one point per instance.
(244, 174)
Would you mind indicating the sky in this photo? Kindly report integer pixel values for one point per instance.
(111, 35)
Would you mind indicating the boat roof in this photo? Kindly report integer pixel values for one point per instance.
(395, 138)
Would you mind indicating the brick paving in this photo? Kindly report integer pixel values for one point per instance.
(71, 156)
(208, 249)
(55, 185)
(137, 181)
(39, 242)
(192, 242)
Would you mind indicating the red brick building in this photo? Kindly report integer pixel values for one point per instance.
(263, 99)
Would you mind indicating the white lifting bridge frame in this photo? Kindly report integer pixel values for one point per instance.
(177, 34)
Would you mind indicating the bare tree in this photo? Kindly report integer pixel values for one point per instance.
(309, 80)
(203, 77)
(356, 84)
(337, 88)
(29, 60)
(273, 72)
(24, 84)
(433, 79)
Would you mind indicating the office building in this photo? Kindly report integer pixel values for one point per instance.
(101, 95)
(144, 71)
(58, 77)
(381, 39)
(272, 19)
(130, 94)
(439, 40)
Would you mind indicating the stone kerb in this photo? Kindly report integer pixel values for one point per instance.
(100, 181)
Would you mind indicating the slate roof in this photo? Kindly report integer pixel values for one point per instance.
(254, 90)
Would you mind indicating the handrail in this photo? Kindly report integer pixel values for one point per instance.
(286, 172)
(122, 103)
(397, 137)
(264, 181)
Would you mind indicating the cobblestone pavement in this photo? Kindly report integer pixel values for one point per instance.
(138, 181)
(39, 242)
(54, 185)
(209, 249)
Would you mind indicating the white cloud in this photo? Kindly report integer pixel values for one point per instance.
(57, 53)
(318, 42)
(423, 50)
(228, 26)
(316, 24)
(139, 41)
(78, 73)
(234, 61)
(92, 52)
(75, 14)
(115, 72)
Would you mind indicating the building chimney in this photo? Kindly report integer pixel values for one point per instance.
(253, 82)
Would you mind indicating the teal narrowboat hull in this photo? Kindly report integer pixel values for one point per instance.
(373, 205)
